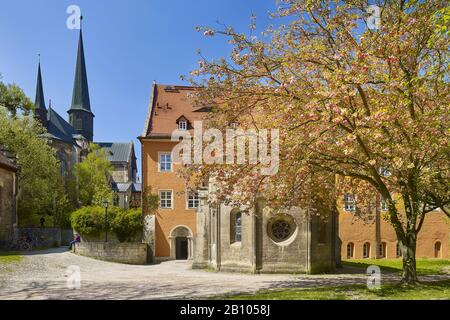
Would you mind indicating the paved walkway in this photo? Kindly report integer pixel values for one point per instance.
(43, 275)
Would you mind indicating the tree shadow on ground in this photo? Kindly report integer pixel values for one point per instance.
(362, 266)
(58, 290)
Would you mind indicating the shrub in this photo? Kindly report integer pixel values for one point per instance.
(90, 221)
(127, 224)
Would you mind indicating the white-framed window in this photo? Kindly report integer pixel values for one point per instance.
(192, 200)
(349, 202)
(165, 199)
(384, 171)
(182, 125)
(165, 162)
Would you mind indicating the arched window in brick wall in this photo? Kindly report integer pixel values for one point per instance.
(366, 250)
(350, 250)
(437, 250)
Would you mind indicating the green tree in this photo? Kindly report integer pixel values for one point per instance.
(93, 176)
(14, 99)
(41, 189)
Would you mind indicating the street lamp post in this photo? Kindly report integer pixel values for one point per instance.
(105, 204)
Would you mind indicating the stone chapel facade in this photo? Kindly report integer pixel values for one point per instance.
(264, 240)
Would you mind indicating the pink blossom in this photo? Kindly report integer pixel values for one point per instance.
(208, 33)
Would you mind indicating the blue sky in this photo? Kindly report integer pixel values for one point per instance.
(128, 44)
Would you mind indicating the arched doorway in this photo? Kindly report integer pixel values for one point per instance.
(181, 244)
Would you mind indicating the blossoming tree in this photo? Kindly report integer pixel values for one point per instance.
(361, 98)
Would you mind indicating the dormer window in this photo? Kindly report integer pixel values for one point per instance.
(182, 125)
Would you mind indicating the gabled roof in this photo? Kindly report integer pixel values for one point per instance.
(58, 128)
(118, 152)
(124, 187)
(181, 118)
(167, 104)
(136, 187)
(121, 187)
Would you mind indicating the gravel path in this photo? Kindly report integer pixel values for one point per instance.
(44, 275)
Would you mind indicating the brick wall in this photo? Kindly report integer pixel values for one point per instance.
(43, 237)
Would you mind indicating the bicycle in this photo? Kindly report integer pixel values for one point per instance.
(20, 245)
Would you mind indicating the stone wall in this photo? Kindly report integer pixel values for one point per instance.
(120, 173)
(67, 236)
(7, 205)
(128, 253)
(149, 235)
(237, 256)
(291, 255)
(323, 252)
(47, 237)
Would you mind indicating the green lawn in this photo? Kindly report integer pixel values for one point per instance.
(427, 291)
(424, 291)
(424, 266)
(9, 257)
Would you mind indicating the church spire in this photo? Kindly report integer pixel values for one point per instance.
(39, 101)
(40, 111)
(80, 97)
(81, 117)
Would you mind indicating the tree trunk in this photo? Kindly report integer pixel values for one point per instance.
(408, 247)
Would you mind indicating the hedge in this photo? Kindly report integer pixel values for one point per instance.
(90, 221)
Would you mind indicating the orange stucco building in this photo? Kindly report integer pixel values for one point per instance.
(174, 224)
(376, 238)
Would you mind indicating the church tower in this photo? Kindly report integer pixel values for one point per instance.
(81, 117)
(40, 111)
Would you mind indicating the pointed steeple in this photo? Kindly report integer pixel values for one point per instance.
(40, 111)
(39, 101)
(81, 117)
(80, 96)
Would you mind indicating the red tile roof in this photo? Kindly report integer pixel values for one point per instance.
(167, 104)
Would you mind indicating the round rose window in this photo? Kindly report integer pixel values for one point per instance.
(281, 228)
